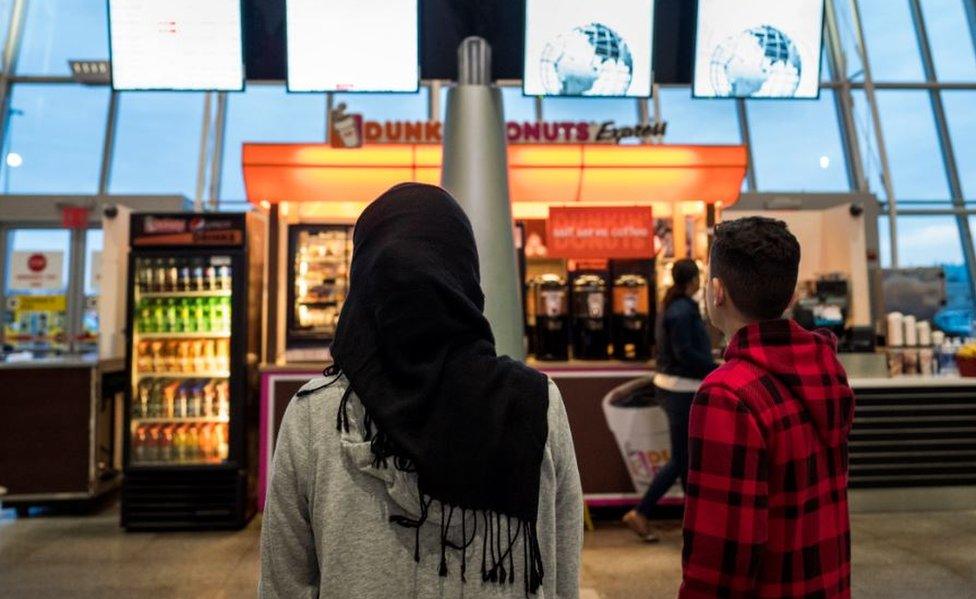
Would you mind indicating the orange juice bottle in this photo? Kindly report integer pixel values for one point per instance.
(223, 355)
(156, 351)
(206, 441)
(193, 443)
(180, 444)
(220, 431)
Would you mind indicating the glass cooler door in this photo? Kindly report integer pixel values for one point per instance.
(181, 348)
(319, 268)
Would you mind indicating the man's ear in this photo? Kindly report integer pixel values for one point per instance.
(718, 291)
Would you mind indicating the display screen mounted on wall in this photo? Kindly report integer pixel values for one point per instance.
(588, 48)
(361, 46)
(758, 49)
(176, 45)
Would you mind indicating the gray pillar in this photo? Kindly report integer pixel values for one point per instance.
(476, 173)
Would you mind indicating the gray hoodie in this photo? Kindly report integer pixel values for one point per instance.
(326, 529)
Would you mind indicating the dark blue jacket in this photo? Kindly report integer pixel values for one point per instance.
(683, 346)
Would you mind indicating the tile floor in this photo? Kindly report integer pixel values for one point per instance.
(896, 555)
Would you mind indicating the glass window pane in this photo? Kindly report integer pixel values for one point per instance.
(157, 143)
(93, 273)
(890, 37)
(848, 39)
(55, 139)
(518, 107)
(57, 31)
(962, 129)
(693, 121)
(387, 107)
(949, 37)
(922, 241)
(917, 170)
(5, 8)
(796, 145)
(267, 113)
(621, 110)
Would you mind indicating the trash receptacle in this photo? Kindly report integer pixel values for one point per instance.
(640, 428)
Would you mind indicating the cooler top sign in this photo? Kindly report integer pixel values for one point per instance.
(592, 232)
(190, 230)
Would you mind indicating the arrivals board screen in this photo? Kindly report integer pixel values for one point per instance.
(361, 46)
(758, 49)
(587, 48)
(176, 45)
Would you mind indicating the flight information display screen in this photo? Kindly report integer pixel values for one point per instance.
(361, 46)
(587, 48)
(758, 49)
(192, 45)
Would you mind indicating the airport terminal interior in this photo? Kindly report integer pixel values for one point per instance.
(179, 186)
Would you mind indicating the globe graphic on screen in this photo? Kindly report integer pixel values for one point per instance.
(758, 62)
(589, 60)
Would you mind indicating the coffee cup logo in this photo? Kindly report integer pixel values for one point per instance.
(347, 129)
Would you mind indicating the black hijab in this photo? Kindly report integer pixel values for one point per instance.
(418, 352)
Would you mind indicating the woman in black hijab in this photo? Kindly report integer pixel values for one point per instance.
(440, 452)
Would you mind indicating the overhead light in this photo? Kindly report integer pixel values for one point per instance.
(824, 162)
(91, 72)
(14, 159)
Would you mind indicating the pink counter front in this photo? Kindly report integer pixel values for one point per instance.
(604, 473)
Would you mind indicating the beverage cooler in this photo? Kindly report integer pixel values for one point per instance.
(192, 333)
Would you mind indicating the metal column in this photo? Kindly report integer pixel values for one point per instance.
(217, 157)
(202, 156)
(844, 100)
(108, 144)
(945, 144)
(8, 62)
(742, 113)
(878, 132)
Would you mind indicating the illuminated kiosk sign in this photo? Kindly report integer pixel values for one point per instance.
(350, 130)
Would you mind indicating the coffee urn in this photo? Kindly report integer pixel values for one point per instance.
(631, 318)
(591, 325)
(551, 318)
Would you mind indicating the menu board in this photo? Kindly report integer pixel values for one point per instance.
(758, 49)
(176, 45)
(587, 48)
(362, 46)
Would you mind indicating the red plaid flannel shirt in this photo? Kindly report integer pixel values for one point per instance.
(766, 505)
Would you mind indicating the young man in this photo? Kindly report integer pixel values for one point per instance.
(766, 507)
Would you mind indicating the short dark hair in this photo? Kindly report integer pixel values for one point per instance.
(758, 260)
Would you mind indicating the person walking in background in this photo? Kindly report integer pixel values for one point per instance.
(684, 358)
(766, 508)
(423, 464)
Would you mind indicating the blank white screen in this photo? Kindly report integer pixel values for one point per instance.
(353, 46)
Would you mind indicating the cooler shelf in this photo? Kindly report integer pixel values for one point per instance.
(181, 420)
(210, 374)
(200, 335)
(182, 294)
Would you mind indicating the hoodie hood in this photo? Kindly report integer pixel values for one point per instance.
(400, 486)
(806, 364)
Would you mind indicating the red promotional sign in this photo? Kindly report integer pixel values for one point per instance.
(589, 232)
(37, 262)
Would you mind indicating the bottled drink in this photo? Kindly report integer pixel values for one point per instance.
(159, 317)
(206, 442)
(209, 355)
(195, 406)
(210, 276)
(144, 357)
(224, 304)
(146, 323)
(210, 399)
(167, 452)
(192, 443)
(197, 273)
(144, 275)
(179, 444)
(223, 278)
(172, 276)
(222, 359)
(182, 407)
(223, 399)
(140, 408)
(151, 445)
(220, 440)
(158, 356)
(172, 322)
(139, 444)
(183, 312)
(159, 275)
(169, 399)
(200, 315)
(185, 282)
